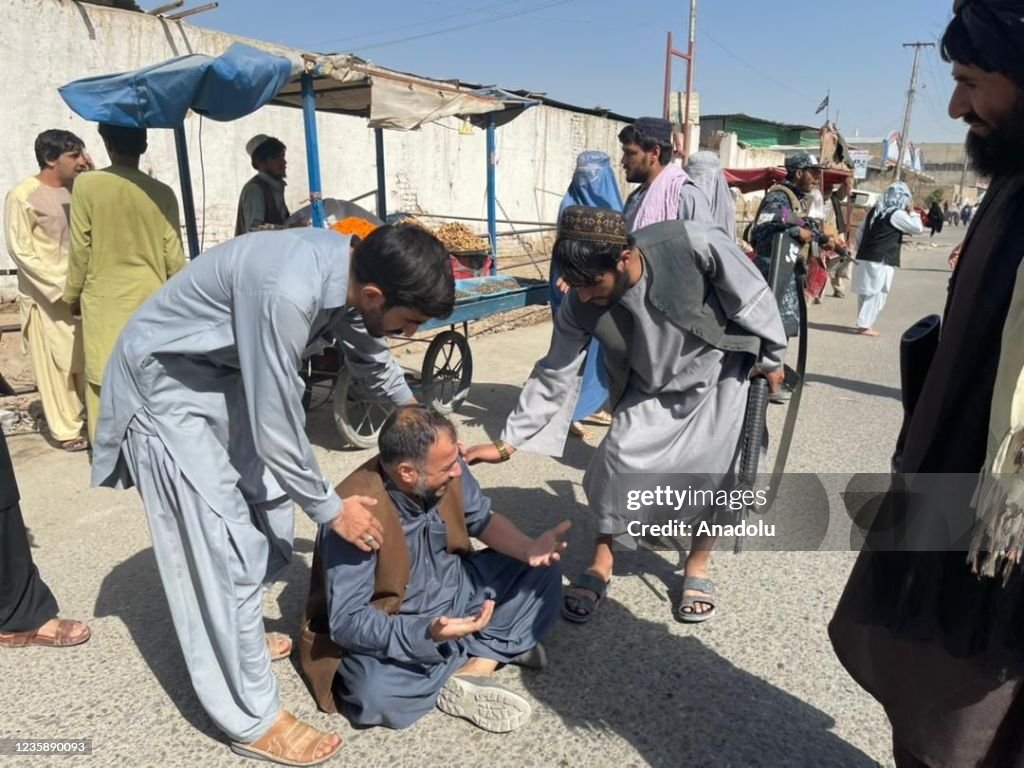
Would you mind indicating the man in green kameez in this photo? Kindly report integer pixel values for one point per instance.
(125, 243)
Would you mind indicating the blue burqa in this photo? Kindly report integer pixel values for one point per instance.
(593, 184)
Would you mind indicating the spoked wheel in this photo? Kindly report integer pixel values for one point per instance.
(447, 372)
(358, 414)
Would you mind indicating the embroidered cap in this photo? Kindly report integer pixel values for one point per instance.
(593, 225)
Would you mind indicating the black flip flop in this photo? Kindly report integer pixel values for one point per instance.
(589, 581)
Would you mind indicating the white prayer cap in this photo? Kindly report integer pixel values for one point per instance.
(255, 142)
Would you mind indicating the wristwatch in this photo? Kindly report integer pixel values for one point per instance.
(502, 450)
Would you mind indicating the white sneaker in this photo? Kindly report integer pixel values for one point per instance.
(485, 703)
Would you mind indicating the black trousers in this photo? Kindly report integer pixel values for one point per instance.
(26, 602)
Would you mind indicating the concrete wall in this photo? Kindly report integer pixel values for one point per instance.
(943, 162)
(435, 170)
(732, 155)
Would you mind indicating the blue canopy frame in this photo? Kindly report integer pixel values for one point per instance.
(244, 79)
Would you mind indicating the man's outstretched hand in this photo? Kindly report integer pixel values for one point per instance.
(549, 546)
(357, 525)
(446, 628)
(487, 453)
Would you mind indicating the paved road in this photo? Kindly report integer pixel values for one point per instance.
(756, 686)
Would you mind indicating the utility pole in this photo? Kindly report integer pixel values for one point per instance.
(910, 103)
(688, 57)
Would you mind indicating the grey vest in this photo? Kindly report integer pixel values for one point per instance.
(678, 288)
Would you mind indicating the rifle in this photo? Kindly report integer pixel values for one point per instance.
(917, 348)
(779, 277)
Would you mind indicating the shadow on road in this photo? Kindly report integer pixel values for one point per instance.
(863, 387)
(673, 699)
(832, 328)
(676, 701)
(133, 593)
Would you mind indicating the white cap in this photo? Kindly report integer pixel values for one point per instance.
(255, 143)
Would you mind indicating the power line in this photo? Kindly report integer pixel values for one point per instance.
(390, 30)
(905, 134)
(758, 70)
(502, 17)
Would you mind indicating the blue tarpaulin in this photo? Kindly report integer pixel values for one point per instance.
(225, 87)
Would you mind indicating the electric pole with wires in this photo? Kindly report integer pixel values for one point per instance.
(910, 104)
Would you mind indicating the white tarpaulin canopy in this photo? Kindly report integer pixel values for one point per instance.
(394, 100)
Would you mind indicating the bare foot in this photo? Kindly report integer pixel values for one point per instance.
(478, 667)
(577, 430)
(280, 645)
(867, 332)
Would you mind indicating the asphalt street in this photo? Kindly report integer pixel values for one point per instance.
(758, 685)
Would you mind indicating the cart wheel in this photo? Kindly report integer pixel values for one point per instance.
(447, 372)
(357, 414)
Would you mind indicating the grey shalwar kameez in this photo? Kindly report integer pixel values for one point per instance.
(392, 670)
(683, 407)
(202, 411)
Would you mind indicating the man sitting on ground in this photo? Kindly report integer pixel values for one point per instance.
(423, 619)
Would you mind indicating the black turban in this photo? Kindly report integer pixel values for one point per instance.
(988, 34)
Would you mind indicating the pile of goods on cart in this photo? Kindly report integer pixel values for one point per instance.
(471, 253)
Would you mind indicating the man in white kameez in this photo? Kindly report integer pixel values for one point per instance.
(684, 317)
(202, 411)
(878, 243)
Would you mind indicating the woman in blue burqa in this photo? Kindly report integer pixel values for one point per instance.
(593, 184)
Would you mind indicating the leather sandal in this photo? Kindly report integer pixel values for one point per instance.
(69, 633)
(288, 741)
(75, 445)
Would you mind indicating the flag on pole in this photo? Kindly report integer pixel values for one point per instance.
(824, 103)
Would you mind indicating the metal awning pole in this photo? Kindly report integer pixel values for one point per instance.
(188, 203)
(312, 150)
(382, 193)
(492, 193)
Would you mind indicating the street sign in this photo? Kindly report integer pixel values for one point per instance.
(860, 163)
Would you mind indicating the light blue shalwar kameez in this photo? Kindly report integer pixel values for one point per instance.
(202, 412)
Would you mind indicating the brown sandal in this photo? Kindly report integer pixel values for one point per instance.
(69, 633)
(275, 641)
(288, 741)
(76, 445)
(600, 418)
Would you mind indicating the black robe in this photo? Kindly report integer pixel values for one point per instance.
(941, 649)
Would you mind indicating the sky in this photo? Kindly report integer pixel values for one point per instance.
(774, 60)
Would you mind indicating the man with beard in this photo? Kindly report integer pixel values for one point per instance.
(202, 411)
(424, 619)
(784, 210)
(666, 192)
(684, 318)
(261, 204)
(933, 635)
